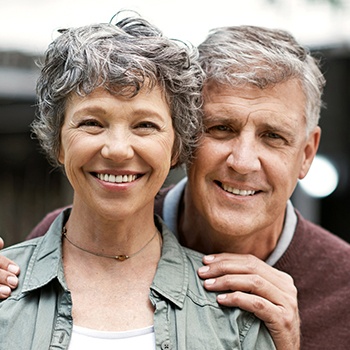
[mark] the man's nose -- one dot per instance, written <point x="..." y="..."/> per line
<point x="244" y="155"/>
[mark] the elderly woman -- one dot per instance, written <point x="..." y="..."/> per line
<point x="118" y="107"/>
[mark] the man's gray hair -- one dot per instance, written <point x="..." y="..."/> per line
<point x="122" y="58"/>
<point x="263" y="57"/>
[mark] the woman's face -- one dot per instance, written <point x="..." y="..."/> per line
<point x="116" y="150"/>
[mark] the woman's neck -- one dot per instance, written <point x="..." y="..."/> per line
<point x="112" y="235"/>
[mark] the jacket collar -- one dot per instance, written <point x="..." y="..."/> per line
<point x="171" y="279"/>
<point x="172" y="275"/>
<point x="46" y="261"/>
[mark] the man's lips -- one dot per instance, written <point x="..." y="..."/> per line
<point x="236" y="191"/>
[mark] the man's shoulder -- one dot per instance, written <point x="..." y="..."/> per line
<point x="41" y="228"/>
<point x="319" y="262"/>
<point x="313" y="246"/>
<point x="159" y="200"/>
<point x="321" y="239"/>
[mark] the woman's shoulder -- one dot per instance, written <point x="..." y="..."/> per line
<point x="21" y="251"/>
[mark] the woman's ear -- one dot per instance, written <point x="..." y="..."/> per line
<point x="61" y="156"/>
<point x="174" y="159"/>
<point x="175" y="154"/>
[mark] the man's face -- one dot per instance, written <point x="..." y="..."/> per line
<point x="254" y="149"/>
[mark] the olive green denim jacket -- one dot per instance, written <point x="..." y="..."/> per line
<point x="38" y="315"/>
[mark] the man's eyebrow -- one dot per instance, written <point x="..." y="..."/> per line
<point x="275" y="127"/>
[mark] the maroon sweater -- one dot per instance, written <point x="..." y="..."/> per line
<point x="319" y="263"/>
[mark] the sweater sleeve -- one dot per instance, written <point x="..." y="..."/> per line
<point x="41" y="228"/>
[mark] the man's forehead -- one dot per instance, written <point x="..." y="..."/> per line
<point x="286" y="98"/>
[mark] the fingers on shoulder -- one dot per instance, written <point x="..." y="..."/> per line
<point x="5" y="291"/>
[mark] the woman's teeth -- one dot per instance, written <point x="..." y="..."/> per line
<point x="116" y="178"/>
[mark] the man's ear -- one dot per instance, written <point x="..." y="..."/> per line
<point x="310" y="151"/>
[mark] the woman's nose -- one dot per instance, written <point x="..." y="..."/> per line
<point x="117" y="146"/>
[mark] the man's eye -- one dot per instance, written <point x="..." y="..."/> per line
<point x="217" y="129"/>
<point x="275" y="139"/>
<point x="222" y="128"/>
<point x="272" y="135"/>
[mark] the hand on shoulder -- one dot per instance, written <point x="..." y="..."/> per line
<point x="8" y="275"/>
<point x="252" y="285"/>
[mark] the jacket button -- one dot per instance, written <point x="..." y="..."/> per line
<point x="166" y="345"/>
<point x="60" y="340"/>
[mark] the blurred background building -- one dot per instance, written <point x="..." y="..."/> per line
<point x="29" y="187"/>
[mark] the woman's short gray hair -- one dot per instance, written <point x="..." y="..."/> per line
<point x="122" y="58"/>
<point x="262" y="57"/>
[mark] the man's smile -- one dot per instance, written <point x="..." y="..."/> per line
<point x="237" y="191"/>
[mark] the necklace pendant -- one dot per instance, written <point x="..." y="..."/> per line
<point x="121" y="257"/>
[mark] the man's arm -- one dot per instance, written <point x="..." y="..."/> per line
<point x="41" y="228"/>
<point x="8" y="269"/>
<point x="8" y="275"/>
<point x="254" y="286"/>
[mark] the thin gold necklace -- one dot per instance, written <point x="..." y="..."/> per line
<point x="121" y="257"/>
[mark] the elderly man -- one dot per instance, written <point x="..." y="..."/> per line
<point x="262" y="101"/>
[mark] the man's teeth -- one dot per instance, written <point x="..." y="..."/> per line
<point x="237" y="191"/>
<point x="116" y="178"/>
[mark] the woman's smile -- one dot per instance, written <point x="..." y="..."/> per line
<point x="116" y="178"/>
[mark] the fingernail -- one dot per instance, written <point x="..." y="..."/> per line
<point x="12" y="281"/>
<point x="13" y="268"/>
<point x="210" y="281"/>
<point x="203" y="269"/>
<point x="222" y="296"/>
<point x="4" y="290"/>
<point x="209" y="257"/>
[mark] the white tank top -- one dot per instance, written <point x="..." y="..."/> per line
<point x="85" y="338"/>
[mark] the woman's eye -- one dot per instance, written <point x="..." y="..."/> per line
<point x="90" y="123"/>
<point x="147" y="125"/>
